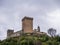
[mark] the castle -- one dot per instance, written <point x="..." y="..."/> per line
<point x="27" y="28"/>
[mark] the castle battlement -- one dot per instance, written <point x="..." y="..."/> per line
<point x="27" y="27"/>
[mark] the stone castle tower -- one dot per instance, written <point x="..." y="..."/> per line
<point x="27" y="25"/>
<point x="9" y="32"/>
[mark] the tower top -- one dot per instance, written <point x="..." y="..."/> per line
<point x="10" y="30"/>
<point x="27" y="24"/>
<point x="27" y="18"/>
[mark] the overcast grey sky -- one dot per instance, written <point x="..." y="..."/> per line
<point x="46" y="14"/>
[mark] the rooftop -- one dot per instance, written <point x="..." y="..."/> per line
<point x="27" y="18"/>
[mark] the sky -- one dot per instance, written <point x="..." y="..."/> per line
<point x="46" y="14"/>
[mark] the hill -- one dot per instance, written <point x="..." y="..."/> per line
<point x="32" y="40"/>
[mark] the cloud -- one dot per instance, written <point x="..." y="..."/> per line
<point x="12" y="12"/>
<point x="54" y="17"/>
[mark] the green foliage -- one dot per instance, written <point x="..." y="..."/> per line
<point x="32" y="40"/>
<point x="57" y="38"/>
<point x="25" y="41"/>
<point x="52" y="42"/>
<point x="44" y="38"/>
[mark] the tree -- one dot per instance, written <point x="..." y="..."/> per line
<point x="57" y="38"/>
<point x="52" y="32"/>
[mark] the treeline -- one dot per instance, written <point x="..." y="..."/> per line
<point x="53" y="39"/>
<point x="32" y="40"/>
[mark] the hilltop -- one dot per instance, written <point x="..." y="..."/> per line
<point x="32" y="40"/>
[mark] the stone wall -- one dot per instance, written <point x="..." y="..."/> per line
<point x="27" y="25"/>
